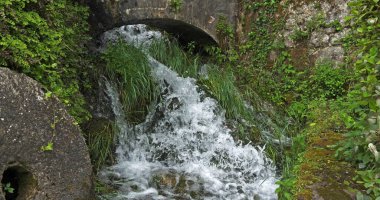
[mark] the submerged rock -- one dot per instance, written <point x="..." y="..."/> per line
<point x="179" y="185"/>
<point x="42" y="152"/>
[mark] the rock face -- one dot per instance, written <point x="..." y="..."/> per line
<point x="313" y="30"/>
<point x="42" y="153"/>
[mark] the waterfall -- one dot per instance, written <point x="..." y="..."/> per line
<point x="184" y="150"/>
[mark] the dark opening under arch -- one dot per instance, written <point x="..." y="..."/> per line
<point x="185" y="32"/>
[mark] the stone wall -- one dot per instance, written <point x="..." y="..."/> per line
<point x="313" y="31"/>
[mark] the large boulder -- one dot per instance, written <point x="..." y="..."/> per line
<point x="42" y="152"/>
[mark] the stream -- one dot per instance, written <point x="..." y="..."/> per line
<point x="184" y="149"/>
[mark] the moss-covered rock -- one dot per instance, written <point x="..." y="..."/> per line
<point x="320" y="175"/>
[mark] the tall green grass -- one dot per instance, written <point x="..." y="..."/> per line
<point x="100" y="139"/>
<point x="220" y="84"/>
<point x="172" y="55"/>
<point x="129" y="67"/>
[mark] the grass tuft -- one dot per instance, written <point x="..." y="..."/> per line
<point x="129" y="67"/>
<point x="220" y="83"/>
<point x="100" y="139"/>
<point x="172" y="55"/>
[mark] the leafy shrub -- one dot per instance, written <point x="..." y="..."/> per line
<point x="223" y="28"/>
<point x="325" y="82"/>
<point x="362" y="106"/>
<point x="301" y="88"/>
<point x="45" y="40"/>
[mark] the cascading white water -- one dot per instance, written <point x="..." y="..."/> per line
<point x="184" y="149"/>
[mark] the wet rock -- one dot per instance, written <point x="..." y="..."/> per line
<point x="42" y="153"/>
<point x="174" y="104"/>
<point x="179" y="184"/>
<point x="98" y="101"/>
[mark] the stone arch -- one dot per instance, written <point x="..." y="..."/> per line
<point x="193" y="15"/>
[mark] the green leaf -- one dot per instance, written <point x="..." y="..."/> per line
<point x="8" y="188"/>
<point x="367" y="185"/>
<point x="48" y="147"/>
<point x="48" y="95"/>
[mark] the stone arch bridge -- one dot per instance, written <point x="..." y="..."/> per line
<point x="193" y="20"/>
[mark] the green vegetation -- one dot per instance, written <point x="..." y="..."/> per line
<point x="225" y="33"/>
<point x="253" y="78"/>
<point x="130" y="66"/>
<point x="171" y="54"/>
<point x="107" y="192"/>
<point x="56" y="119"/>
<point x="48" y="147"/>
<point x="175" y="5"/>
<point x="100" y="136"/>
<point x="311" y="158"/>
<point x="8" y="188"/>
<point x="362" y="104"/>
<point x="260" y="33"/>
<point x="220" y="83"/>
<point x="316" y="22"/>
<point x="320" y="84"/>
<point x="321" y="98"/>
<point x="45" y="40"/>
<point x="350" y="98"/>
<point x="328" y="106"/>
